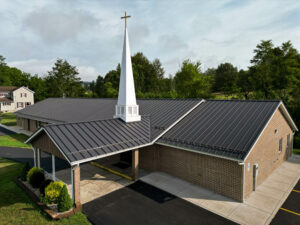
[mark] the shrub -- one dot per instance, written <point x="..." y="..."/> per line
<point x="25" y="170"/>
<point x="44" y="184"/>
<point x="35" y="176"/>
<point x="52" y="191"/>
<point x="64" y="200"/>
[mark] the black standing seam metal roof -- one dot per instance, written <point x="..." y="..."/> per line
<point x="222" y="127"/>
<point x="88" y="139"/>
<point x="163" y="112"/>
<point x="79" y="141"/>
<point x="226" y="128"/>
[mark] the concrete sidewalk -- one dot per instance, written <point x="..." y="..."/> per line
<point x="259" y="208"/>
<point x="16" y="129"/>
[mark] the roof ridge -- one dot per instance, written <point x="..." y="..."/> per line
<point x="245" y="100"/>
<point x="88" y="121"/>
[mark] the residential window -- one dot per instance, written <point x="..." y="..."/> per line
<point x="25" y="95"/>
<point x="280" y="145"/>
<point x="27" y="104"/>
<point x="21" y="94"/>
<point x="20" y="104"/>
<point x="6" y="103"/>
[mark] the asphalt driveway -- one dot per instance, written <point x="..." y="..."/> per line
<point x="23" y="155"/>
<point x="141" y="203"/>
<point x="4" y="131"/>
<point x="289" y="213"/>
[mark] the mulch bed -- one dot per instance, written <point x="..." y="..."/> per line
<point x="53" y="214"/>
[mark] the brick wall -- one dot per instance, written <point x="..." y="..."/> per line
<point x="266" y="151"/>
<point x="219" y="175"/>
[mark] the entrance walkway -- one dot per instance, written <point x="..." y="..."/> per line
<point x="259" y="208"/>
<point x="94" y="182"/>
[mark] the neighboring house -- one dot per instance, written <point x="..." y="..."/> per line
<point x="14" y="98"/>
<point x="228" y="146"/>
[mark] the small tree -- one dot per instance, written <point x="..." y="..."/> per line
<point x="64" y="200"/>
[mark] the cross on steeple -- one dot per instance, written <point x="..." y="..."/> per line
<point x="125" y="17"/>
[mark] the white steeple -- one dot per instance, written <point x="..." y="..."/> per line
<point x="126" y="108"/>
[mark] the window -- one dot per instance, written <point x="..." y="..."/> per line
<point x="27" y="104"/>
<point x="21" y="94"/>
<point x="280" y="145"/>
<point x="6" y="103"/>
<point x="20" y="104"/>
<point x="25" y="95"/>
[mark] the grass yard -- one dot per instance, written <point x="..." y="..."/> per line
<point x="9" y="119"/>
<point x="296" y="151"/>
<point x="14" y="140"/>
<point x="17" y="208"/>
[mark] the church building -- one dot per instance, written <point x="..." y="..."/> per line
<point x="227" y="146"/>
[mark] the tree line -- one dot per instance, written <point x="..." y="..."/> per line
<point x="273" y="73"/>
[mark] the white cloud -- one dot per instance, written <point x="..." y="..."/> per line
<point x="89" y="34"/>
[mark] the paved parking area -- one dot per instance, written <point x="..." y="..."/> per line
<point x="94" y="182"/>
<point x="259" y="208"/>
<point x="289" y="212"/>
<point x="4" y="131"/>
<point x="141" y="203"/>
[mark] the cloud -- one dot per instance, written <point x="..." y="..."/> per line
<point x="41" y="67"/>
<point x="89" y="34"/>
<point x="57" y="26"/>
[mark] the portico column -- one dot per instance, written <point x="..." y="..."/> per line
<point x="38" y="156"/>
<point x="34" y="157"/>
<point x="135" y="164"/>
<point x="53" y="167"/>
<point x="75" y="176"/>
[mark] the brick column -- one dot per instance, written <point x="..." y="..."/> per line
<point x="135" y="164"/>
<point x="76" y="186"/>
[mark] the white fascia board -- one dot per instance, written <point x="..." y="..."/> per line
<point x="39" y="131"/>
<point x="34" y="134"/>
<point x="240" y="162"/>
<point x="288" y="117"/>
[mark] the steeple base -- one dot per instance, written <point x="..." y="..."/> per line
<point x="128" y="113"/>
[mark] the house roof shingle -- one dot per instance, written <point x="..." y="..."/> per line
<point x="8" y="88"/>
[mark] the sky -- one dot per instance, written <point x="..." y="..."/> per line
<point x="89" y="33"/>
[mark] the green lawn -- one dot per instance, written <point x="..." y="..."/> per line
<point x="14" y="140"/>
<point x="17" y="208"/>
<point x="9" y="119"/>
<point x="296" y="151"/>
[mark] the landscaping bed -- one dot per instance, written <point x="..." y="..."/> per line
<point x="16" y="207"/>
<point x="34" y="195"/>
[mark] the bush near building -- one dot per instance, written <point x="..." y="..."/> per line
<point x="64" y="200"/>
<point x="52" y="192"/>
<point x="35" y="176"/>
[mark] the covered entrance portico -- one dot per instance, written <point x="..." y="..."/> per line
<point x="86" y="182"/>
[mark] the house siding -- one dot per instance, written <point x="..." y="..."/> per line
<point x="219" y="175"/>
<point x="266" y="151"/>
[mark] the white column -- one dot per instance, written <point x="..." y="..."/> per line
<point x="72" y="180"/>
<point x="34" y="157"/>
<point x="38" y="158"/>
<point x="53" y="167"/>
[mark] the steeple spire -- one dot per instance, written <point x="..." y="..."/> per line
<point x="126" y="108"/>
